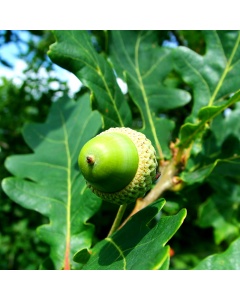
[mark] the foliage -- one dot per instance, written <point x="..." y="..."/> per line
<point x="24" y="100"/>
<point x="228" y="260"/>
<point x="185" y="99"/>
<point x="146" y="242"/>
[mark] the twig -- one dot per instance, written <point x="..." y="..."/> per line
<point x="165" y="183"/>
<point x="167" y="180"/>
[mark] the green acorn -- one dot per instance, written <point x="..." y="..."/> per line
<point x="119" y="165"/>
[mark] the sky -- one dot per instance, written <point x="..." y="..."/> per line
<point x="9" y="52"/>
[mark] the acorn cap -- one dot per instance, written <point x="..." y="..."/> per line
<point x="123" y="172"/>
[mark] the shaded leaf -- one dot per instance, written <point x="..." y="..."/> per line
<point x="144" y="65"/>
<point x="74" y="51"/>
<point x="228" y="260"/>
<point x="139" y="245"/>
<point x="189" y="132"/>
<point x="49" y="182"/>
<point x="228" y="166"/>
<point x="221" y="210"/>
<point x="219" y="151"/>
<point x="227" y="124"/>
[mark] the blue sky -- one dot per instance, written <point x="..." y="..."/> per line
<point x="9" y="53"/>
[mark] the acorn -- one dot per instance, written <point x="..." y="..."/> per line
<point x="119" y="165"/>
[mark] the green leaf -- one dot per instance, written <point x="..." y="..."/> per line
<point x="213" y="213"/>
<point x="219" y="152"/>
<point x="138" y="245"/>
<point x="214" y="75"/>
<point x="49" y="182"/>
<point x="228" y="166"/>
<point x="166" y="263"/>
<point x="228" y="260"/>
<point x="74" y="51"/>
<point x="221" y="210"/>
<point x="189" y="132"/>
<point x="227" y="125"/>
<point x="144" y="65"/>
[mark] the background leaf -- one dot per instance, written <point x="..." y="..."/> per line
<point x="189" y="131"/>
<point x="220" y="148"/>
<point x="222" y="209"/>
<point x="49" y="182"/>
<point x="144" y="65"/>
<point x="216" y="74"/>
<point x="228" y="260"/>
<point x="214" y="167"/>
<point x="75" y="52"/>
<point x="144" y="248"/>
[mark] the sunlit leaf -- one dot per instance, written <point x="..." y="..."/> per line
<point x="228" y="260"/>
<point x="139" y="245"/>
<point x="75" y="52"/>
<point x="144" y="65"/>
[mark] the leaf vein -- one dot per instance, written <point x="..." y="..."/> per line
<point x="120" y="252"/>
<point x="69" y="195"/>
<point x="145" y="99"/>
<point x="225" y="71"/>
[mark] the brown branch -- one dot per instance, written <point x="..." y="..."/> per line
<point x="167" y="181"/>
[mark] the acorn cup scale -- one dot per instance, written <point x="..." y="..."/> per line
<point x="119" y="165"/>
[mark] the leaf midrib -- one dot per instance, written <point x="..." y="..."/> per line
<point x="145" y="98"/>
<point x="69" y="195"/>
<point x="120" y="252"/>
<point x="225" y="72"/>
<point x="212" y="165"/>
<point x="96" y="68"/>
<point x="138" y="79"/>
